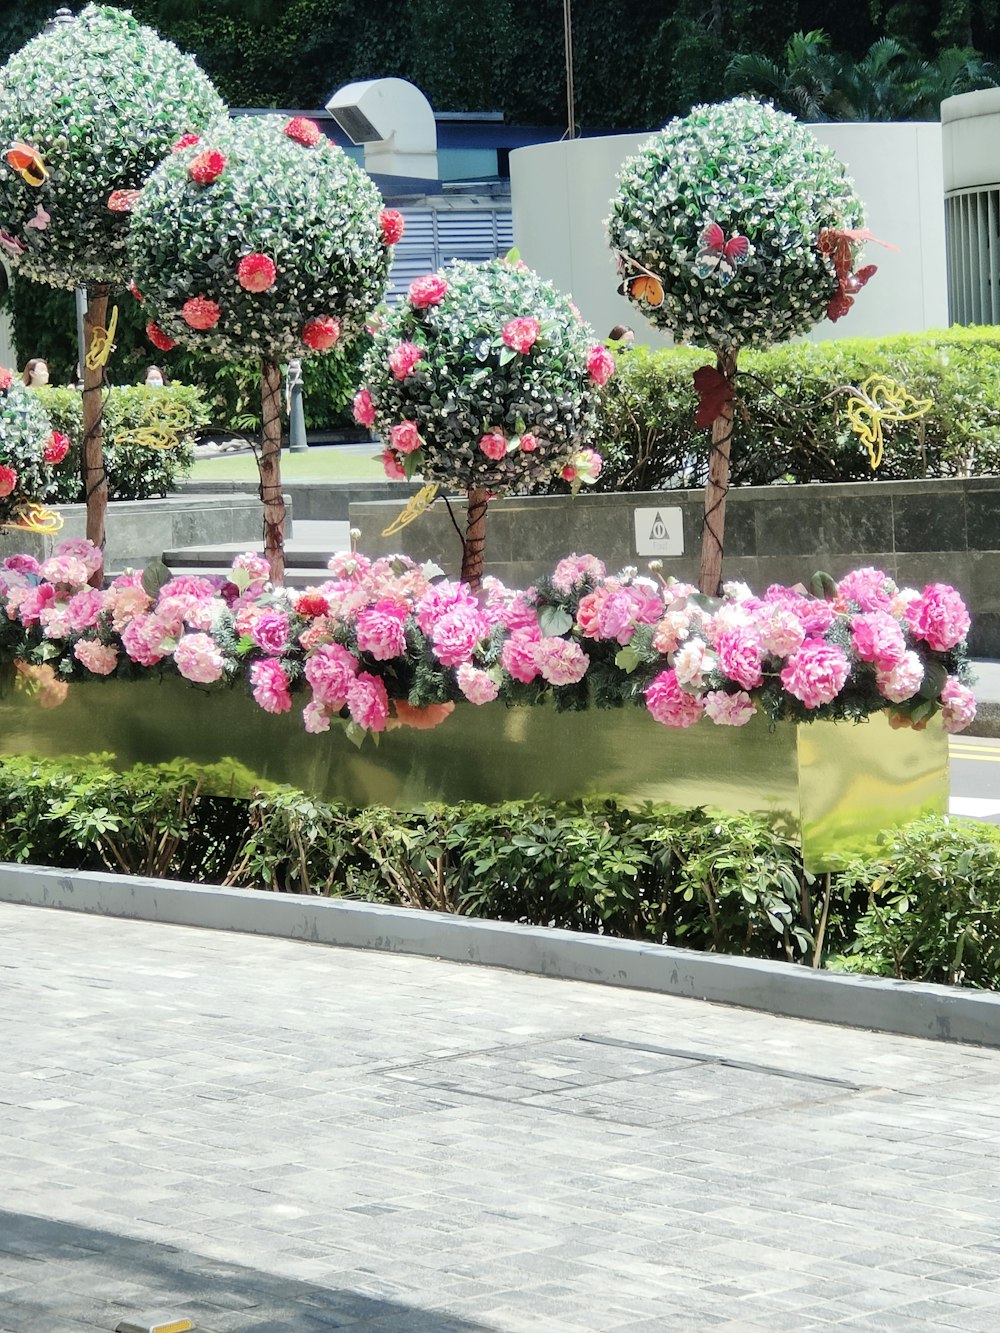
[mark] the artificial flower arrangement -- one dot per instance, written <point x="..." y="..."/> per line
<point x="388" y="642"/>
<point x="30" y="452"/>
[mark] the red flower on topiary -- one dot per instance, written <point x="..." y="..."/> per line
<point x="56" y="447"/>
<point x="185" y="141"/>
<point x="321" y="333"/>
<point x="207" y="167"/>
<point x="8" y="480"/>
<point x="303" y="131"/>
<point x="256" y="273"/>
<point x="134" y="290"/>
<point x="200" y="313"/>
<point x="6" y="379"/>
<point x="393" y="225"/>
<point x="122" y="201"/>
<point x="158" y="338"/>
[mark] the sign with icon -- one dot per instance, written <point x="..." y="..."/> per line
<point x="659" y="531"/>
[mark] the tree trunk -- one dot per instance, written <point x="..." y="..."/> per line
<point x="717" y="488"/>
<point x="474" y="546"/>
<point x="95" y="481"/>
<point x="270" y="469"/>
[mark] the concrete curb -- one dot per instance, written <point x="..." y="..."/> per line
<point x="941" y="1013"/>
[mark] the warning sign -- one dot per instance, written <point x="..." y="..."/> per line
<point x="659" y="531"/>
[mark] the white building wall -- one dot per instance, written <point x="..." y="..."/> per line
<point x="561" y="195"/>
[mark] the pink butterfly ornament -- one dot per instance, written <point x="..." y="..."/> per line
<point x="720" y="257"/>
<point x="41" y="219"/>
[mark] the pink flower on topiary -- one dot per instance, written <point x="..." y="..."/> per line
<point x="877" y="637"/>
<point x="8" y="480"/>
<point x="403" y="358"/>
<point x="729" y="710"/>
<point x="56" y="447"/>
<point x="198" y="658"/>
<point x="158" y="338"/>
<point x="600" y="364"/>
<point x="561" y="661"/>
<point x="816" y="673"/>
<point x="381" y="630"/>
<point x="207" y="167"/>
<point x="477" y="686"/>
<point x="321" y="332"/>
<point x="364" y="408"/>
<point x="902" y="681"/>
<point x="256" y="273"/>
<point x="392" y="224"/>
<point x="100" y="658"/>
<point x="6" y="379"/>
<point x="331" y="670"/>
<point x="427" y="291"/>
<point x="959" y="706"/>
<point x="200" y="313"/>
<point x="529" y="443"/>
<point x="405" y="437"/>
<point x="521" y="334"/>
<point x="368" y="702"/>
<point x="303" y="131"/>
<point x="739" y="652"/>
<point x="671" y="705"/>
<point x="391" y="465"/>
<point x="493" y="445"/>
<point x="185" y="141"/>
<point x="584" y="466"/>
<point x="939" y="617"/>
<point x="270" y="686"/>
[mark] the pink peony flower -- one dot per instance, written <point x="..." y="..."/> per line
<point x="145" y="640"/>
<point x="125" y="602"/>
<point x="197" y="658"/>
<point x="872" y="589"/>
<point x="269" y="631"/>
<point x="600" y="364"/>
<point x="381" y="630"/>
<point x="84" y="609"/>
<point x="270" y="686"/>
<point x="392" y="224"/>
<point x="427" y="291"/>
<point x="959" y="706"/>
<point x="439" y="600"/>
<point x="816" y="673"/>
<point x="669" y="704"/>
<point x="561" y="661"/>
<point x="406" y="438"/>
<point x="256" y="567"/>
<point x="517" y="656"/>
<point x="520" y="334"/>
<point x="902" y="681"/>
<point x="321" y="332"/>
<point x="256" y="273"/>
<point x="671" y="630"/>
<point x="574" y="570"/>
<point x="368" y="702"/>
<point x="877" y="637"/>
<point x="739" y="653"/>
<point x="22" y="564"/>
<point x="364" y="408"/>
<point x="331" y="670"/>
<point x="67" y="570"/>
<point x="479" y="687"/>
<point x="456" y="634"/>
<point x="692" y="662"/>
<point x="529" y="443"/>
<point x="493" y="445"/>
<point x="781" y="631"/>
<point x="316" y="717"/>
<point x="939" y="617"/>
<point x="391" y="465"/>
<point x="403" y="357"/>
<point x="100" y="658"/>
<point x="729" y="710"/>
<point x="32" y="601"/>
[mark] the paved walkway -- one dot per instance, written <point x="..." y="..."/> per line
<point x="276" y="1136"/>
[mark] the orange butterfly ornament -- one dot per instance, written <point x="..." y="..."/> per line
<point x="640" y="285"/>
<point x="27" y="162"/>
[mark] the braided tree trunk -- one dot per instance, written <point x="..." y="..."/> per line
<point x="95" y="481"/>
<point x="474" y="546"/>
<point x="717" y="487"/>
<point x="270" y="469"/>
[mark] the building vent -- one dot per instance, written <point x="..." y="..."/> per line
<point x="972" y="228"/>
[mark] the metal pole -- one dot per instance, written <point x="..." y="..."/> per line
<point x="568" y="41"/>
<point x="81" y="334"/>
<point x="297" y="442"/>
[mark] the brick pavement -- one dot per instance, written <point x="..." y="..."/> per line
<point x="279" y="1136"/>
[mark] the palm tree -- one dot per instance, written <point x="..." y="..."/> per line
<point x="802" y="86"/>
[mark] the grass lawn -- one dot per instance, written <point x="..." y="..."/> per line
<point x="321" y="463"/>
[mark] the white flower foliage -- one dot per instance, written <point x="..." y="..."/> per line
<point x="101" y="99"/>
<point x="754" y="171"/>
<point x="24" y="433"/>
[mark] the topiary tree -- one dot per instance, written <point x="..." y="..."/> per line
<point x="30" y="456"/>
<point x="484" y="379"/>
<point x="88" y="108"/>
<point x="261" y="240"/>
<point x="735" y="227"/>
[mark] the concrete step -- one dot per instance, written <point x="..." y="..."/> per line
<point x="295" y="577"/>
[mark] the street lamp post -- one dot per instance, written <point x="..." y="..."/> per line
<point x="297" y="442"/>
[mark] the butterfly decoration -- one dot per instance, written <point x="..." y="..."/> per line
<point x="640" y="285"/>
<point x="415" y="506"/>
<point x="28" y="163"/>
<point x="720" y="256"/>
<point x="41" y="219"/>
<point x="881" y="399"/>
<point x="715" y="391"/>
<point x="164" y="426"/>
<point x="102" y="343"/>
<point x="122" y="201"/>
<point x="837" y="244"/>
<point x="33" y="517"/>
<point x="11" y="244"/>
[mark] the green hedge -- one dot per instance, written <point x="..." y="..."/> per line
<point x="649" y="440"/>
<point x="135" y="470"/>
<point x="926" y="908"/>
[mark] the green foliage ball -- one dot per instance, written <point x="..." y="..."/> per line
<point x="469" y="383"/>
<point x="757" y="173"/>
<point x="25" y="431"/>
<point x="101" y="99"/>
<point x="306" y="209"/>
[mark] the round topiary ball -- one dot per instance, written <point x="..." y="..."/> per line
<point x="89" y="109"/>
<point x="261" y="239"/>
<point x="485" y="378"/>
<point x="30" y="452"/>
<point x="717" y="225"/>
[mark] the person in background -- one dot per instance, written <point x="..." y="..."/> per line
<point x="623" y="336"/>
<point x="155" y="378"/>
<point x="36" y="373"/>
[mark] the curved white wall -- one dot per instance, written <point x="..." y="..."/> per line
<point x="561" y="193"/>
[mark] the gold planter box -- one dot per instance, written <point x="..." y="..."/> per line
<point x="834" y="785"/>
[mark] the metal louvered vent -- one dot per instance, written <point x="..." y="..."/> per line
<point x="434" y="236"/>
<point x="972" y="227"/>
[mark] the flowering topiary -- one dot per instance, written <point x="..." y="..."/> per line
<point x="258" y="242"/>
<point x="718" y="222"/>
<point x="30" y="451"/>
<point x="99" y="100"/>
<point x="485" y="378"/>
